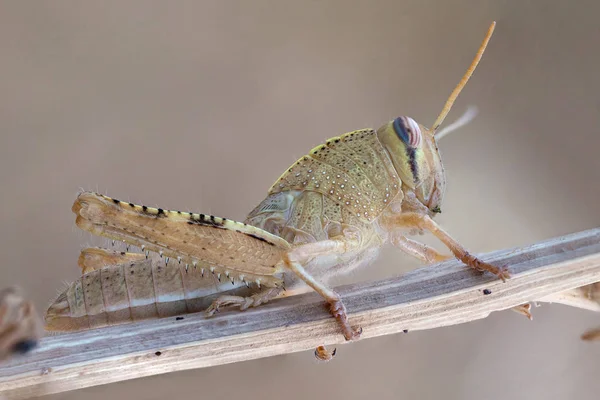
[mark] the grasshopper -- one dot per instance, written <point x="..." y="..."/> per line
<point x="20" y="326"/>
<point x="328" y="214"/>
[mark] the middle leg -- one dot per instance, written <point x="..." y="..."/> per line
<point x="302" y="255"/>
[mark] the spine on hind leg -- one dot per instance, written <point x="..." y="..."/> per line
<point x="232" y="248"/>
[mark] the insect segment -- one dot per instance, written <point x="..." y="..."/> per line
<point x="20" y="326"/>
<point x="328" y="214"/>
<point x="121" y="287"/>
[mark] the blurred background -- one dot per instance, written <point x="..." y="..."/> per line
<point x="201" y="105"/>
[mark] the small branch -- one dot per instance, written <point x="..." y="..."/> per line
<point x="430" y="297"/>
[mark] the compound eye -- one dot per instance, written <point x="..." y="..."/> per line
<point x="408" y="131"/>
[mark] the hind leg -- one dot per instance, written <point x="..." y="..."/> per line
<point x="243" y="303"/>
<point x="294" y="260"/>
<point x="94" y="258"/>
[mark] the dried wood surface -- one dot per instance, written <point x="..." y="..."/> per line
<point x="430" y="297"/>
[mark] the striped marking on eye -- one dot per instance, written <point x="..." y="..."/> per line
<point x="408" y="131"/>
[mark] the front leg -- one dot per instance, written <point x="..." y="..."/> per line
<point x="418" y="250"/>
<point x="421" y="221"/>
<point x="431" y="256"/>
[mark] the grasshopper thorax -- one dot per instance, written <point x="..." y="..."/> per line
<point x="415" y="155"/>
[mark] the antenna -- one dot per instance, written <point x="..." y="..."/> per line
<point x="464" y="80"/>
<point x="467" y="117"/>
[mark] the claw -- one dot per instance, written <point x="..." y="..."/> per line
<point x="212" y="310"/>
<point x="354" y="334"/>
<point x="338" y="310"/>
<point x="501" y="273"/>
<point x="322" y="354"/>
<point x="524" y="309"/>
<point x="479" y="265"/>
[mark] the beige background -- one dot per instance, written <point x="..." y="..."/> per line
<point x="200" y="106"/>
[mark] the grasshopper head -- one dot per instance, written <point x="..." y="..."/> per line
<point x="415" y="155"/>
<point x="413" y="148"/>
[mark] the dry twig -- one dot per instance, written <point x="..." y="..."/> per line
<point x="430" y="297"/>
